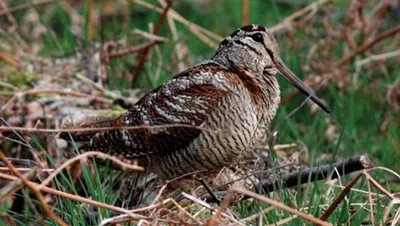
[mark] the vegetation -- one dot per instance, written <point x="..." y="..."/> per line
<point x="62" y="58"/>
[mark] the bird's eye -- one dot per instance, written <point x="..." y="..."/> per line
<point x="257" y="37"/>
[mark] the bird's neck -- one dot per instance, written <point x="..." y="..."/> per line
<point x="270" y="99"/>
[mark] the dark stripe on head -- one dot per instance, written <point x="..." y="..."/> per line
<point x="235" y="33"/>
<point x="270" y="53"/>
<point x="249" y="28"/>
<point x="224" y="42"/>
<point x="253" y="27"/>
<point x="247" y="45"/>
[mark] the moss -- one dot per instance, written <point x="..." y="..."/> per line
<point x="19" y="79"/>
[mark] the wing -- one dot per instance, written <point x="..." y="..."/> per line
<point x="169" y="117"/>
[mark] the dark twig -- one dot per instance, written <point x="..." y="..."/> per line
<point x="344" y="167"/>
<point x="209" y="190"/>
<point x="145" y="51"/>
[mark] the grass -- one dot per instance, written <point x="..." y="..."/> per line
<point x="358" y="110"/>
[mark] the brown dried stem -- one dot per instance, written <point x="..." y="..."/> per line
<point x="80" y="129"/>
<point x="16" y="185"/>
<point x="26" y="169"/>
<point x="206" y="205"/>
<point x="10" y="60"/>
<point x="34" y="189"/>
<point x="146" y="50"/>
<point x="153" y="206"/>
<point x="280" y="206"/>
<point x="200" y="32"/>
<point x="245" y="12"/>
<point x="133" y="49"/>
<point x="67" y="93"/>
<point x="71" y="197"/>
<point x="124" y="166"/>
<point x="378" y="186"/>
<point x="368" y="45"/>
<point x="350" y="56"/>
<point x="380" y="13"/>
<point x="25" y="6"/>
<point x="214" y="219"/>
<point x="341" y="196"/>
<point x="288" y="21"/>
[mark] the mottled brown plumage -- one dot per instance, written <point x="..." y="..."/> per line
<point x="224" y="103"/>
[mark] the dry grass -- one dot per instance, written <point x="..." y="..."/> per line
<point x="76" y="89"/>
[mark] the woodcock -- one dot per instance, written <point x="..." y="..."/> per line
<point x="207" y="116"/>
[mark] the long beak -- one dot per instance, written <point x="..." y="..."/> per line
<point x="296" y="82"/>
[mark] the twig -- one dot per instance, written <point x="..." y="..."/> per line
<point x="384" y="169"/>
<point x="150" y="36"/>
<point x="25" y="6"/>
<point x="94" y="129"/>
<point x="69" y="93"/>
<point x="341" y="196"/>
<point x="132" y="49"/>
<point x="378" y="186"/>
<point x="196" y="200"/>
<point x="10" y="17"/>
<point x="287" y="22"/>
<point x="286" y="220"/>
<point x="309" y="175"/>
<point x="371" y="208"/>
<point x="368" y="45"/>
<point x="7" y="85"/>
<point x="280" y="206"/>
<point x="34" y="189"/>
<point x="277" y="146"/>
<point x="178" y="46"/>
<point x="85" y="156"/>
<point x="200" y="32"/>
<point x="380" y="14"/>
<point x="350" y="56"/>
<point x="10" y="60"/>
<point x="209" y="190"/>
<point x="378" y="57"/>
<point x="26" y="169"/>
<point x="145" y="51"/>
<point x="213" y="220"/>
<point x="245" y="12"/>
<point x="14" y="186"/>
<point x="74" y="197"/>
<point x="120" y="218"/>
<point x="118" y="99"/>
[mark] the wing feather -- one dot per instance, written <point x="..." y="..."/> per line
<point x="177" y="109"/>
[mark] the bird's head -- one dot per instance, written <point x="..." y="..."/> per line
<point x="253" y="48"/>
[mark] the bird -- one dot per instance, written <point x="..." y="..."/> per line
<point x="205" y="117"/>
